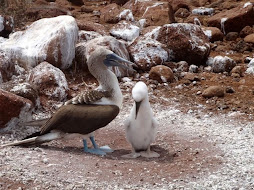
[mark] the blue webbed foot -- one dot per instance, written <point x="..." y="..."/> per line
<point x="96" y="150"/>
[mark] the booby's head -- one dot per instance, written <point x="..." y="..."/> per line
<point x="139" y="93"/>
<point x="108" y="58"/>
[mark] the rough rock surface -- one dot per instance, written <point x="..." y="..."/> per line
<point x="213" y="33"/>
<point x="161" y="73"/>
<point x="147" y="52"/>
<point x="49" y="80"/>
<point x="13" y="109"/>
<point x="125" y="30"/>
<point x="212" y="91"/>
<point x="51" y="39"/>
<point x="187" y="42"/>
<point x="222" y="64"/>
<point x="155" y="12"/>
<point x="233" y="20"/>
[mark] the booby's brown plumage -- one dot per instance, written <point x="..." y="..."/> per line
<point x="88" y="111"/>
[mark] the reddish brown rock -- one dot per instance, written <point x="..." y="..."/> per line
<point x="92" y="26"/>
<point x="182" y="13"/>
<point x="50" y="81"/>
<point x="246" y="31"/>
<point x="6" y="25"/>
<point x="249" y="38"/>
<point x="213" y="33"/>
<point x="84" y="36"/>
<point x="161" y="73"/>
<point x="233" y="20"/>
<point x="13" y="108"/>
<point x="155" y="12"/>
<point x="213" y="91"/>
<point x="109" y="14"/>
<point x="238" y="71"/>
<point x="187" y="42"/>
<point x="7" y="67"/>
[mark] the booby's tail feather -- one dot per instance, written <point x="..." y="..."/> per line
<point x="35" y="140"/>
<point x="24" y="142"/>
<point x="35" y="122"/>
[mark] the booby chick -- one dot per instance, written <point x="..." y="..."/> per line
<point x="141" y="125"/>
<point x="88" y="111"/>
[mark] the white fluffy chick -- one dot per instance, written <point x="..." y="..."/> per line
<point x="141" y="126"/>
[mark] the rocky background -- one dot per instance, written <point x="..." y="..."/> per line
<point x="198" y="53"/>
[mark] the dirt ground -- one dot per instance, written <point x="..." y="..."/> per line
<point x="197" y="140"/>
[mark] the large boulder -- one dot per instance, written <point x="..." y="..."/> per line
<point x="186" y="41"/>
<point x="155" y="12"/>
<point x="50" y="81"/>
<point x="14" y="109"/>
<point x="49" y="39"/>
<point x="148" y="52"/>
<point x="114" y="45"/>
<point x="233" y="20"/>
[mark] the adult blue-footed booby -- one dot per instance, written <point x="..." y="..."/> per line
<point x="89" y="111"/>
<point x="141" y="125"/>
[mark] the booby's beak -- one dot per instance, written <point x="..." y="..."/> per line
<point x="137" y="107"/>
<point x="113" y="60"/>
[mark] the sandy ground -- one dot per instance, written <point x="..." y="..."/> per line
<point x="199" y="150"/>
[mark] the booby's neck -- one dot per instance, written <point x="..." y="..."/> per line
<point x="108" y="82"/>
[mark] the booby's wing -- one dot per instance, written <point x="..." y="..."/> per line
<point x="88" y="97"/>
<point x="82" y="119"/>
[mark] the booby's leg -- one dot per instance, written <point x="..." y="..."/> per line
<point x="149" y="154"/>
<point x="105" y="148"/>
<point x="133" y="154"/>
<point x="93" y="150"/>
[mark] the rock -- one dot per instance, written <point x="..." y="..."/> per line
<point x="187" y="42"/>
<point x="222" y="64"/>
<point x="91" y="26"/>
<point x="213" y="33"/>
<point x="246" y="31"/>
<point x="85" y="9"/>
<point x="7" y="67"/>
<point x="203" y="11"/>
<point x="155" y="12"/>
<point x="13" y="109"/>
<point x="23" y="89"/>
<point x="6" y="25"/>
<point x="114" y="45"/>
<point x="50" y="39"/>
<point x="45" y="10"/>
<point x="238" y="70"/>
<point x="147" y="52"/>
<point x="193" y="69"/>
<point x="125" y="30"/>
<point x="182" y="13"/>
<point x="242" y="46"/>
<point x="191" y="77"/>
<point x="250" y="69"/>
<point x="84" y="36"/>
<point x="109" y="14"/>
<point x="230" y="90"/>
<point x="231" y="36"/>
<point x="127" y="15"/>
<point x="249" y="38"/>
<point x="161" y="73"/>
<point x="49" y="80"/>
<point x="177" y="4"/>
<point x="233" y="20"/>
<point x="213" y="91"/>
